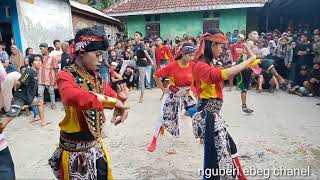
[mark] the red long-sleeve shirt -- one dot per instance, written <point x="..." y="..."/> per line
<point x="77" y="100"/>
<point x="163" y="53"/>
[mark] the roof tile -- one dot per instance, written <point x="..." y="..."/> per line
<point x="145" y="5"/>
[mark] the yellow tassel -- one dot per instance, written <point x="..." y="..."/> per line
<point x="65" y="165"/>
<point x="254" y="63"/>
<point x="110" y="177"/>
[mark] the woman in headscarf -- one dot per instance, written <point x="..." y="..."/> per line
<point x="209" y="126"/>
<point x="179" y="95"/>
<point x="16" y="58"/>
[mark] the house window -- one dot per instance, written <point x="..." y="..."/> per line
<point x="7" y="10"/>
<point x="148" y="18"/>
<point x="208" y="24"/>
<point x="156" y="17"/>
<point x="210" y="20"/>
<point x="153" y="30"/>
<point x="216" y="14"/>
<point x="206" y="14"/>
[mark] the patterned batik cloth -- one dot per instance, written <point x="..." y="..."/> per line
<point x="81" y="165"/>
<point x="171" y="110"/>
<point x="210" y="128"/>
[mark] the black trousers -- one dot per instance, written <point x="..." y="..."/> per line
<point x="6" y="165"/>
<point x="281" y="68"/>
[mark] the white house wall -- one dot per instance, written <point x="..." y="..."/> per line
<point x="44" y="21"/>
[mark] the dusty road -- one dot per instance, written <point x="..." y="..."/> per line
<point x="283" y="132"/>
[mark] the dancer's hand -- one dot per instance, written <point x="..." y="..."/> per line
<point x="120" y="113"/>
<point x="122" y="92"/>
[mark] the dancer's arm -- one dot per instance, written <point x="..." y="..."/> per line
<point x="238" y="68"/>
<point x="162" y="73"/>
<point x="73" y="95"/>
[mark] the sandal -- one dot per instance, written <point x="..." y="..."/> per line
<point x="271" y="90"/>
<point x="259" y="91"/>
<point x="246" y="109"/>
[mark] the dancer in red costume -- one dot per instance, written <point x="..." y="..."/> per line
<point x="81" y="153"/>
<point x="179" y="95"/>
<point x="209" y="126"/>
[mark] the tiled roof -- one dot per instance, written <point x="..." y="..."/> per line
<point x="137" y="7"/>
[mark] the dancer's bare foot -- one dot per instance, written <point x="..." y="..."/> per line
<point x="162" y="96"/>
<point x="141" y="99"/>
<point x="45" y="123"/>
<point x="259" y="90"/>
<point x="53" y="107"/>
<point x="171" y="151"/>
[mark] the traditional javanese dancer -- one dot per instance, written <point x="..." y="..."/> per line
<point x="219" y="148"/>
<point x="81" y="153"/>
<point x="179" y="96"/>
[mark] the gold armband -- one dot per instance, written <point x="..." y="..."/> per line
<point x="109" y="102"/>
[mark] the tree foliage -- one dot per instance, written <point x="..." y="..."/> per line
<point x="101" y="4"/>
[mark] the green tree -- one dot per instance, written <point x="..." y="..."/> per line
<point x="102" y="4"/>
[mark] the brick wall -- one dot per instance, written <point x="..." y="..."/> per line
<point x="81" y="21"/>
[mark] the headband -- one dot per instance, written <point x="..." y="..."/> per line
<point x="216" y="38"/>
<point x="187" y="50"/>
<point x="91" y="43"/>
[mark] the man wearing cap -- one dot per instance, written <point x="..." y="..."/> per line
<point x="81" y="153"/>
<point x="47" y="75"/>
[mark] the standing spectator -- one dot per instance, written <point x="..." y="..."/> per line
<point x="316" y="48"/>
<point x="303" y="53"/>
<point x="276" y="38"/>
<point x="228" y="36"/>
<point x="65" y="56"/>
<point x="149" y="65"/>
<point x="118" y="50"/>
<point x="162" y="54"/>
<point x="104" y="67"/>
<point x="236" y="51"/>
<point x="126" y="54"/>
<point x="16" y="58"/>
<point x="71" y="49"/>
<point x="57" y="52"/>
<point x="142" y="57"/>
<point x="28" y="53"/>
<point x="47" y="75"/>
<point x="4" y="57"/>
<point x="243" y="32"/>
<point x="169" y="40"/>
<point x="283" y="57"/>
<point x="293" y="69"/>
<point x="130" y="45"/>
<point x="234" y="37"/>
<point x="261" y="52"/>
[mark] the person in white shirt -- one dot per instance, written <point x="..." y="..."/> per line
<point x="57" y="52"/>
